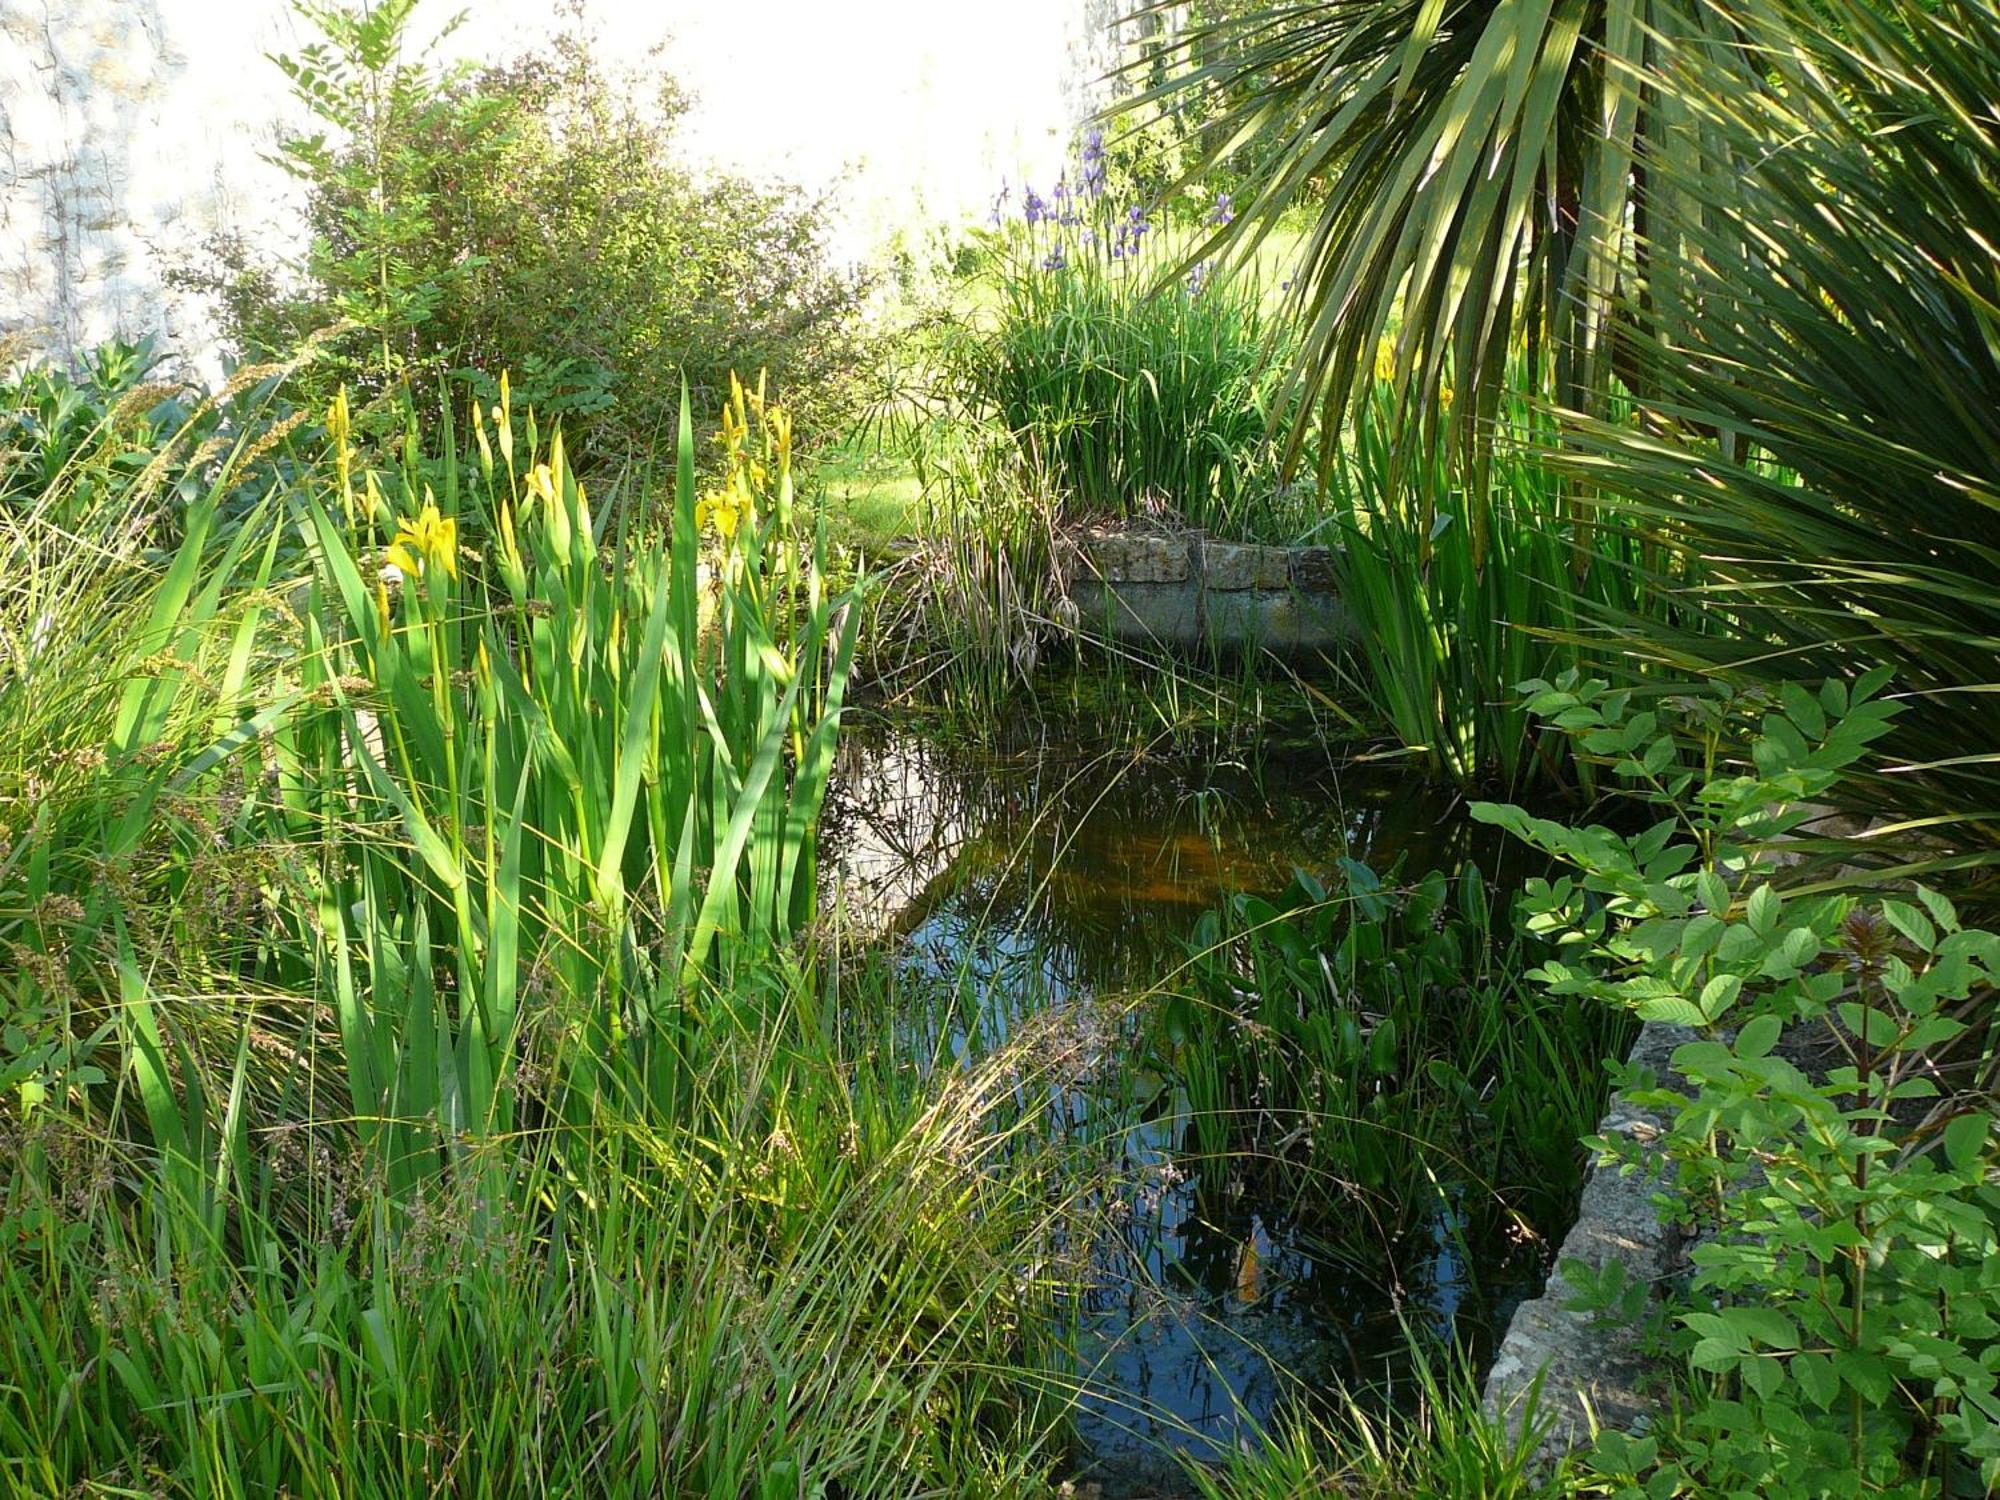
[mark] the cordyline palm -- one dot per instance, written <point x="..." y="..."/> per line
<point x="1777" y="218"/>
<point x="1825" y="433"/>
<point x="1476" y="163"/>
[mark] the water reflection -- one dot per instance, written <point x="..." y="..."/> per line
<point x="1032" y="874"/>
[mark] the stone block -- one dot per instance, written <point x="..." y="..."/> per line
<point x="1312" y="569"/>
<point x="1301" y="623"/>
<point x="1135" y="557"/>
<point x="1227" y="567"/>
<point x="1161" y="615"/>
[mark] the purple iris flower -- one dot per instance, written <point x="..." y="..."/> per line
<point x="1034" y="208"/>
<point x="1093" y="164"/>
<point x="1130" y="233"/>
<point x="1225" y="210"/>
<point x="1055" y="260"/>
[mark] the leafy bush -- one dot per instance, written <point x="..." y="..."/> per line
<point x="1843" y="1321"/>
<point x="86" y="433"/>
<point x="535" y="218"/>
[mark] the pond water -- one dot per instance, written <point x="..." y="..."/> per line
<point x="1031" y="873"/>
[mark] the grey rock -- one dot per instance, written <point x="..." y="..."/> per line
<point x="1594" y="1370"/>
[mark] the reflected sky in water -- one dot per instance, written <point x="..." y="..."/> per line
<point x="1027" y="875"/>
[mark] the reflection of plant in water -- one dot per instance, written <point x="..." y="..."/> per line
<point x="1370" y="1052"/>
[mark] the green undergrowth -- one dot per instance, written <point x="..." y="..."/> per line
<point x="1372" y="1053"/>
<point x="420" y="1072"/>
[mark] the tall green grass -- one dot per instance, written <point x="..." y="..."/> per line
<point x="1123" y="397"/>
<point x="594" y="780"/>
<point x="1444" y="1446"/>
<point x="422" y="1071"/>
<point x="1464" y="580"/>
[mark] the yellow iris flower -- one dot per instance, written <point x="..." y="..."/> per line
<point x="429" y="538"/>
<point x="542" y="484"/>
<point x="1385" y="360"/>
<point x="724" y="508"/>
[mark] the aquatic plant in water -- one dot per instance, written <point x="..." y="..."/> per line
<point x="1121" y="396"/>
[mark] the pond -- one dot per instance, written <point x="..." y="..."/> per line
<point x="1036" y="871"/>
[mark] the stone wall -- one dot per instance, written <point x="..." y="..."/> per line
<point x="1186" y="592"/>
<point x="1596" y="1372"/>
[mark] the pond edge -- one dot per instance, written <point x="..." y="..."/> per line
<point x="1593" y="1371"/>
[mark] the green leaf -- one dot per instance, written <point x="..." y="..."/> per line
<point x="1873" y="1026"/>
<point x="1713" y="891"/>
<point x="1803" y="710"/>
<point x="1758" y="1036"/>
<point x="1941" y="910"/>
<point x="1765" y="1325"/>
<point x="1762" y="910"/>
<point x="1868" y="1374"/>
<point x="1715" y="1355"/>
<point x="1815" y="1376"/>
<point x="1965" y="1139"/>
<point x="1911" y="923"/>
<point x="1670" y="1010"/>
<point x="1718" y="995"/>
<point x="642" y="695"/>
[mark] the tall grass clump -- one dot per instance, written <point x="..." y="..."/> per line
<point x="1443" y="1444"/>
<point x="422" y="1073"/>
<point x="971" y="607"/>
<point x="1130" y="398"/>
<point x="1466" y="578"/>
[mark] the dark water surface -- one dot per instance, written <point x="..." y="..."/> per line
<point x="1035" y="875"/>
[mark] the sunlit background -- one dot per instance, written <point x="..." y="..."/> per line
<point x="130" y="126"/>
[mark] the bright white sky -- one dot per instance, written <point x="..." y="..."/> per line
<point x="138" y="126"/>
<point x="924" y="104"/>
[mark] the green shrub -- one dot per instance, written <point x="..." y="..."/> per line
<point x="534" y="217"/>
<point x="1842" y="1328"/>
<point x="86" y="433"/>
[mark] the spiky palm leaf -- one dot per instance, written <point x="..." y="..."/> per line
<point x="1476" y="163"/>
<point x="1827" y="437"/>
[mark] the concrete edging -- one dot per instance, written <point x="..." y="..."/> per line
<point x="1593" y="1370"/>
<point x="1184" y="591"/>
